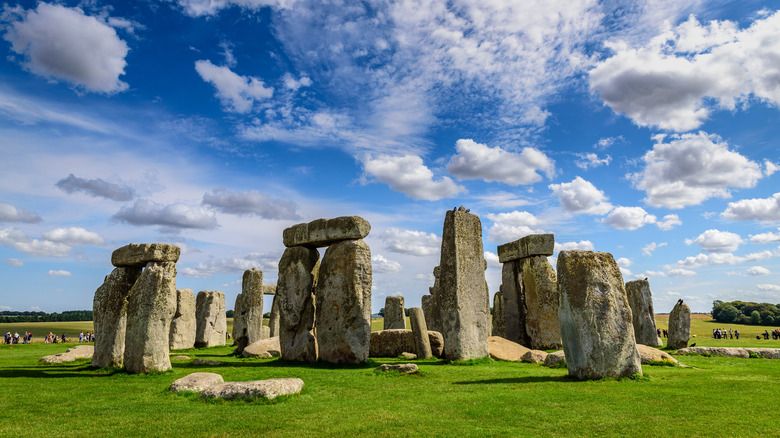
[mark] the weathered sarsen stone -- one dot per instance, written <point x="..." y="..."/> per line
<point x="540" y="290"/>
<point x="323" y="232"/>
<point x="679" y="326"/>
<point x="211" y="321"/>
<point x="642" y="315"/>
<point x="514" y="302"/>
<point x="295" y="295"/>
<point x="183" y="324"/>
<point x="422" y="343"/>
<point x="109" y="313"/>
<point x="430" y="303"/>
<point x="344" y="303"/>
<point x="463" y="298"/>
<point x="248" y="311"/>
<point x="273" y="321"/>
<point x="594" y="316"/>
<point x="395" y="317"/>
<point x="391" y="343"/>
<point x="196" y="382"/>
<point x="139" y="254"/>
<point x="150" y="309"/>
<point x="499" y="322"/>
<point x="528" y="246"/>
<point x="269" y="389"/>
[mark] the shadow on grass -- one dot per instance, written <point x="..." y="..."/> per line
<point x="280" y="363"/>
<point x="56" y="372"/>
<point x="527" y="379"/>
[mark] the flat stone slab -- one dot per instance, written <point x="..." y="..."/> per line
<point x="407" y="355"/>
<point x="263" y="348"/>
<point x="504" y="349"/>
<point x="269" y="289"/>
<point x="391" y="343"/>
<point x="743" y="353"/>
<point x="180" y="357"/>
<point x="269" y="389"/>
<point x="403" y="368"/>
<point x="139" y="254"/>
<point x="77" y="352"/>
<point x="534" y="356"/>
<point x="528" y="246"/>
<point x="206" y="362"/>
<point x="554" y="359"/>
<point x="649" y="354"/>
<point x="323" y="232"/>
<point x="196" y="382"/>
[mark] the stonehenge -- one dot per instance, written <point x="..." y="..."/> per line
<point x="430" y="303"/>
<point x="642" y="315"/>
<point x="422" y="343"/>
<point x="211" y="321"/>
<point x="679" y="326"/>
<point x="298" y="269"/>
<point x="183" y="325"/>
<point x="395" y="317"/>
<point x="499" y="320"/>
<point x="248" y="310"/>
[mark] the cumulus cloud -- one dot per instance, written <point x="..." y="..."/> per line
<point x="770" y="168"/>
<point x="14" y="262"/>
<point x="757" y="209"/>
<point x="417" y="243"/>
<point x="74" y="236"/>
<point x="652" y="246"/>
<point x="237" y="93"/>
<point x="591" y="160"/>
<point x="680" y="272"/>
<point x="251" y="203"/>
<point x="479" y="161"/>
<point x="96" y="187"/>
<point x="717" y="241"/>
<point x="675" y="80"/>
<point x="692" y="168"/>
<point x="768" y="287"/>
<point x="722" y="258"/>
<point x="580" y="196"/>
<point x="173" y="216"/>
<point x="668" y="222"/>
<point x="757" y="270"/>
<point x="585" y="245"/>
<point x="9" y="213"/>
<point x="63" y="43"/>
<point x="769" y="237"/>
<point x="492" y="260"/>
<point x="268" y="263"/>
<point x="58" y="273"/>
<point x="19" y="241"/>
<point x="629" y="218"/>
<point x="511" y="226"/>
<point x="407" y="174"/>
<point x="381" y="264"/>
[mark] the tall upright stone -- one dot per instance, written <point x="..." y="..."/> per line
<point x="295" y="295"/>
<point x="273" y="322"/>
<point x="540" y="290"/>
<point x="679" y="326"/>
<point x="344" y="303"/>
<point x="430" y="303"/>
<point x="183" y="325"/>
<point x="109" y="310"/>
<point x="643" y="317"/>
<point x="248" y="312"/>
<point x="594" y="316"/>
<point x="211" y="321"/>
<point x="422" y="343"/>
<point x="498" y="315"/>
<point x="151" y="306"/>
<point x="514" y="302"/>
<point x="395" y="317"/>
<point x="426" y="302"/>
<point x="463" y="298"/>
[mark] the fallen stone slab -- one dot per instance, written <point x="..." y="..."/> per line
<point x="323" y="232"/>
<point x="766" y="353"/>
<point x="742" y="353"/>
<point x="503" y="349"/>
<point x="403" y="368"/>
<point x="139" y="254"/>
<point x="407" y="355"/>
<point x="77" y="352"/>
<point x="555" y="359"/>
<point x="269" y="289"/>
<point x="391" y="343"/>
<point x="649" y="354"/>
<point x="182" y="357"/>
<point x="269" y="389"/>
<point x="534" y="356"/>
<point x="528" y="246"/>
<point x="206" y="362"/>
<point x="196" y="382"/>
<point x="263" y="348"/>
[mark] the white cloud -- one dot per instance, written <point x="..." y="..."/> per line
<point x="197" y="8"/>
<point x="580" y="196"/>
<point x="692" y="168"/>
<point x="717" y="241"/>
<point x="251" y="203"/>
<point x="757" y="270"/>
<point x="770" y="168"/>
<point x="380" y="263"/>
<point x="492" y="260"/>
<point x="760" y="209"/>
<point x="58" y="273"/>
<point x="417" y="243"/>
<point x="294" y="84"/>
<point x="173" y="216"/>
<point x="503" y="200"/>
<point x="74" y="236"/>
<point x="652" y="246"/>
<point x="96" y="187"/>
<point x="237" y="93"/>
<point x="479" y="161"/>
<point x="41" y="248"/>
<point x="668" y="222"/>
<point x="722" y="258"/>
<point x="14" y="262"/>
<point x="680" y="272"/>
<point x="64" y="43"/>
<point x="585" y="245"/>
<point x="606" y="142"/>
<point x="628" y="218"/>
<point x="591" y="160"/>
<point x="768" y="287"/>
<point x="9" y="213"/>
<point x="623" y="262"/>
<point x="674" y="81"/>
<point x="407" y="174"/>
<point x="268" y="263"/>
<point x="769" y="237"/>
<point x="511" y="226"/>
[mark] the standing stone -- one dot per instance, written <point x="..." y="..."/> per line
<point x="430" y="303"/>
<point x="595" y="317"/>
<point x="344" y="303"/>
<point x="211" y="321"/>
<point x="498" y="315"/>
<point x="273" y="322"/>
<point x="394" y="318"/>
<point x="679" y="326"/>
<point x="150" y="309"/>
<point x="248" y="313"/>
<point x="463" y="299"/>
<point x="540" y="290"/>
<point x="183" y="324"/>
<point x="295" y="293"/>
<point x="643" y="318"/>
<point x="426" y="304"/>
<point x="238" y="321"/>
<point x="109" y="310"/>
<point x="514" y="303"/>
<point x="422" y="344"/>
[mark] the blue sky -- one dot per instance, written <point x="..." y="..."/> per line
<point x="649" y="130"/>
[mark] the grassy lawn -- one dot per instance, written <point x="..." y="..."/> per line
<point x="719" y="396"/>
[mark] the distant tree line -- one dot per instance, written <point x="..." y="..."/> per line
<point x="742" y="312"/>
<point x="68" y="315"/>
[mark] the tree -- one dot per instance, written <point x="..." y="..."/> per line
<point x="728" y="313"/>
<point x="755" y="317"/>
<point x="381" y="312"/>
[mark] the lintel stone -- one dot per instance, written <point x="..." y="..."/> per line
<point x="323" y="232"/>
<point x="528" y="246"/>
<point x="139" y="254"/>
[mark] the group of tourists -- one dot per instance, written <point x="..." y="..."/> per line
<point x="725" y="334"/>
<point x="775" y="334"/>
<point x="14" y="339"/>
<point x="51" y="338"/>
